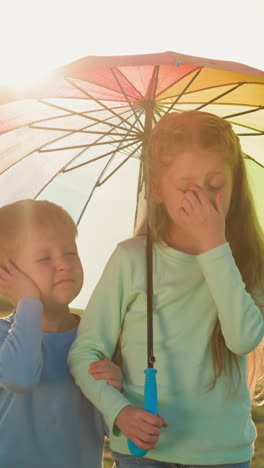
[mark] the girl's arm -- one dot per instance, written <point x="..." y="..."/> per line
<point x="20" y="347"/>
<point x="98" y="333"/>
<point x="241" y="320"/>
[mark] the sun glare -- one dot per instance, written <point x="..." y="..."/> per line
<point x="24" y="76"/>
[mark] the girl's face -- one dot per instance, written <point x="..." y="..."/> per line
<point x="209" y="170"/>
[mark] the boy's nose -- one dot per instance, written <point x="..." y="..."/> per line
<point x="62" y="264"/>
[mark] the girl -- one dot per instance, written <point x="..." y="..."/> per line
<point x="208" y="291"/>
<point x="45" y="420"/>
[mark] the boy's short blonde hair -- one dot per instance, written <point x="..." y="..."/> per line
<point x="19" y="219"/>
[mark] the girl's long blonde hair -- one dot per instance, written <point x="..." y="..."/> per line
<point x="171" y="136"/>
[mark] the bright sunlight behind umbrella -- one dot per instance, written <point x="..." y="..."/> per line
<point x="78" y="140"/>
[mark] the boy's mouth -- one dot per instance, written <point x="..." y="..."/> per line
<point x="64" y="280"/>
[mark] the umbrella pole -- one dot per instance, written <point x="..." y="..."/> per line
<point x="150" y="388"/>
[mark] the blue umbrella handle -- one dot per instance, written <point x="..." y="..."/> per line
<point x="150" y="404"/>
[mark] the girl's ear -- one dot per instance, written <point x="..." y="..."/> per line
<point x="155" y="191"/>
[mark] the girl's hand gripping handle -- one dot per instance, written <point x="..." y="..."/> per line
<point x="150" y="404"/>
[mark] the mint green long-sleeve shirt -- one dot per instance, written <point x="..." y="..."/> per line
<point x="190" y="294"/>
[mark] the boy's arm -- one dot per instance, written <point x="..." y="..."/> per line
<point x="98" y="334"/>
<point x="106" y="369"/>
<point x="20" y="348"/>
<point x="241" y="320"/>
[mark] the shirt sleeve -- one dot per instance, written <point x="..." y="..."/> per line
<point x="98" y="334"/>
<point x="20" y="348"/>
<point x="242" y="322"/>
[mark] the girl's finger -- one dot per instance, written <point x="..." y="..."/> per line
<point x="115" y="383"/>
<point x="192" y="198"/>
<point x="200" y="195"/>
<point x="186" y="205"/>
<point x="101" y="375"/>
<point x="183" y="214"/>
<point x="219" y="203"/>
<point x="105" y="361"/>
<point x="142" y="444"/>
<point x="164" y="422"/>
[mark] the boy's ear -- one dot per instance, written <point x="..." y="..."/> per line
<point x="155" y="191"/>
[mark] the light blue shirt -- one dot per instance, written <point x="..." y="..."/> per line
<point x="45" y="421"/>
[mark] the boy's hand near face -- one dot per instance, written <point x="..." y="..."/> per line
<point x="16" y="285"/>
<point x="107" y="370"/>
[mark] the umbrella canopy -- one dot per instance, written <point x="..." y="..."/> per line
<point x="78" y="140"/>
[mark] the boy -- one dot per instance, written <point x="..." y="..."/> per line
<point x="45" y="421"/>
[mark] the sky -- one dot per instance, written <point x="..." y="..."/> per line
<point x="37" y="37"/>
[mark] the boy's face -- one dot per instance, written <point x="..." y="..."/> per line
<point x="50" y="258"/>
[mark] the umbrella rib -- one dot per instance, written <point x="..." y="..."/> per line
<point x="243" y="113"/>
<point x="250" y="134"/>
<point x="207" y="88"/>
<point x="99" y="85"/>
<point x="96" y="183"/>
<point x="139" y="190"/>
<point x="128" y="101"/>
<point x="157" y="69"/>
<point x="183" y="91"/>
<point x="120" y="165"/>
<point x="238" y="124"/>
<point x="80" y="114"/>
<point x="70" y="114"/>
<point x="218" y="104"/>
<point x="61" y="138"/>
<point x="39" y="149"/>
<point x="86" y="162"/>
<point x="98" y="143"/>
<point x="58" y="139"/>
<point x="61" y="171"/>
<point x="130" y="82"/>
<point x="97" y="101"/>
<point x="99" y="157"/>
<point x="64" y="169"/>
<point x="178" y="81"/>
<point x="246" y="156"/>
<point x="72" y="131"/>
<point x="221" y="95"/>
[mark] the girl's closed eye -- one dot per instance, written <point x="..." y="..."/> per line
<point x="215" y="188"/>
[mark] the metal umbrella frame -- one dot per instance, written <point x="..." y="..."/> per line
<point x="103" y="108"/>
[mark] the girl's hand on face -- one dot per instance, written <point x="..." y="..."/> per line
<point x="140" y="426"/>
<point x="16" y="285"/>
<point x="203" y="218"/>
<point x="107" y="370"/>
